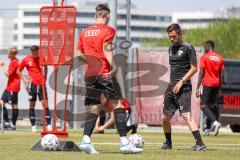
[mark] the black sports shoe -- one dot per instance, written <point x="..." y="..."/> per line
<point x="198" y="147"/>
<point x="167" y="145"/>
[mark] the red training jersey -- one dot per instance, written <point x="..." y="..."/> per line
<point x="213" y="64"/>
<point x="91" y="43"/>
<point x="14" y="80"/>
<point x="125" y="103"/>
<point x="33" y="68"/>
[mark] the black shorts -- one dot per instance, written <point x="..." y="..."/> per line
<point x="96" y="86"/>
<point x="34" y="91"/>
<point x="180" y="101"/>
<point x="209" y="95"/>
<point x="10" y="97"/>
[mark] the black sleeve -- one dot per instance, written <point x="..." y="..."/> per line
<point x="192" y="54"/>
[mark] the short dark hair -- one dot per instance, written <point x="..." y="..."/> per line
<point x="210" y="43"/>
<point x="102" y="7"/>
<point x="34" y="48"/>
<point x="102" y="11"/>
<point x="174" y="27"/>
<point x="14" y="50"/>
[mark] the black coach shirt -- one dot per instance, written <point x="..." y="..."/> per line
<point x="180" y="59"/>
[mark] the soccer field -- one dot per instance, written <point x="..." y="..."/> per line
<point x="17" y="145"/>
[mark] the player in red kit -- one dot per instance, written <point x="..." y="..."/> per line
<point x="31" y="62"/>
<point x="10" y="95"/>
<point x="95" y="49"/>
<point x="210" y="76"/>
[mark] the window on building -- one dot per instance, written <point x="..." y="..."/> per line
<point x="199" y="20"/>
<point x="121" y="16"/>
<point x="163" y="18"/>
<point x="31" y="13"/>
<point x="26" y="47"/>
<point x="31" y="36"/>
<point x="82" y="26"/>
<point x="31" y="25"/>
<point x="85" y="14"/>
<point x="15" y="37"/>
<point x="15" y="26"/>
<point x="141" y="28"/>
<point x="140" y="17"/>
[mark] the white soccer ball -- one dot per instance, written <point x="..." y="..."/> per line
<point x="137" y="140"/>
<point x="50" y="142"/>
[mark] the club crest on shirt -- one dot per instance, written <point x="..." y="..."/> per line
<point x="179" y="53"/>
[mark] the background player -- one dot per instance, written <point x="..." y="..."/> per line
<point x="107" y="106"/>
<point x="31" y="62"/>
<point x="10" y="95"/>
<point x="210" y="76"/>
<point x="95" y="48"/>
<point x="183" y="65"/>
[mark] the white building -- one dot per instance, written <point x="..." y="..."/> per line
<point x="197" y="19"/>
<point x="6" y="33"/>
<point x="144" y="24"/>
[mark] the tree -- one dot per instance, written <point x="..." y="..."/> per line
<point x="225" y="34"/>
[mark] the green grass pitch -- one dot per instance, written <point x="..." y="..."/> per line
<point x="17" y="145"/>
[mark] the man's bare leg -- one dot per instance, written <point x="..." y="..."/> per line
<point x="48" y="114"/>
<point x="167" y="129"/>
<point x="195" y="131"/>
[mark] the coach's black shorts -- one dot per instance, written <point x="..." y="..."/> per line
<point x="209" y="95"/>
<point x="180" y="101"/>
<point x="34" y="91"/>
<point x="96" y="86"/>
<point x="10" y="97"/>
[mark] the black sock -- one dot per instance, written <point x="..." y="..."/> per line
<point x="197" y="136"/>
<point x="216" y="112"/>
<point x="209" y="114"/>
<point x="32" y="116"/>
<point x="120" y="121"/>
<point x="48" y="116"/>
<point x="213" y="112"/>
<point x="168" y="137"/>
<point x="5" y="114"/>
<point x="102" y="117"/>
<point x="90" y="124"/>
<point x="208" y="123"/>
<point x="14" y="116"/>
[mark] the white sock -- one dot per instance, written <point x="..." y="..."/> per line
<point x="86" y="139"/>
<point x="124" y="141"/>
<point x="215" y="123"/>
<point x="13" y="126"/>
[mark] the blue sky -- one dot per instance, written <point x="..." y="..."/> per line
<point x="162" y="5"/>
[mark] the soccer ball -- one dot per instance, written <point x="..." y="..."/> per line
<point x="137" y="140"/>
<point x="50" y="142"/>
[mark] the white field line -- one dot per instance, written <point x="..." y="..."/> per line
<point x="185" y="145"/>
<point x="177" y="144"/>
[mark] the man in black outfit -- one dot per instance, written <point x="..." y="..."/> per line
<point x="183" y="65"/>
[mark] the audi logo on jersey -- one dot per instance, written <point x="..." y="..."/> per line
<point x="92" y="33"/>
<point x="214" y="58"/>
